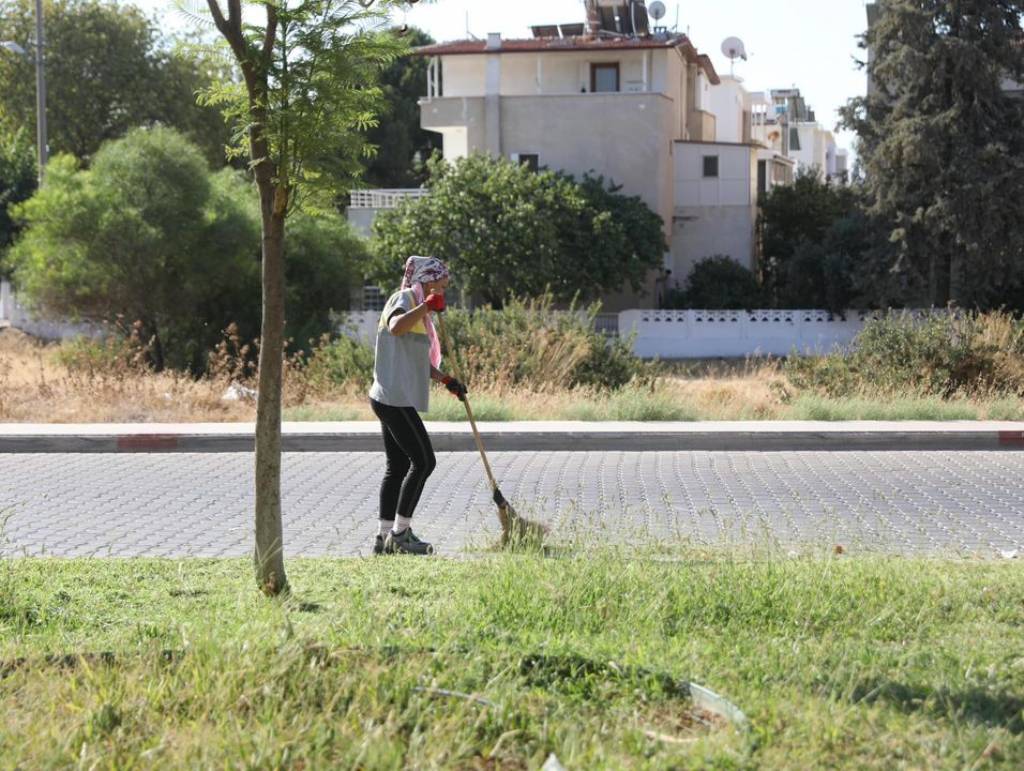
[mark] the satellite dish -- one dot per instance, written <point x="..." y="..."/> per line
<point x="734" y="49"/>
<point x="657" y="10"/>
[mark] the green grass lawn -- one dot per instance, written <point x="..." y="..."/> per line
<point x="838" y="662"/>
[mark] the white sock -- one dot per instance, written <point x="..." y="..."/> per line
<point x="385" y="526"/>
<point x="401" y="524"/>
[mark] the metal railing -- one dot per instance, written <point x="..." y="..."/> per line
<point x="384" y="199"/>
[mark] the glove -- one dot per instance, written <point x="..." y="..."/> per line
<point x="456" y="388"/>
<point x="435" y="302"/>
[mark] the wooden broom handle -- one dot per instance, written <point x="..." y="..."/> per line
<point x="469" y="412"/>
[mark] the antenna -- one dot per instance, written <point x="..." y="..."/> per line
<point x="657" y="10"/>
<point x="469" y="35"/>
<point x="734" y="49"/>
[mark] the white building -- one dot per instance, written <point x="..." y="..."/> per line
<point x="641" y="107"/>
<point x="614" y="105"/>
<point x="718" y="183"/>
<point x="806" y="141"/>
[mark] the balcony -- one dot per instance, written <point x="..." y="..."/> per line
<point x="702" y="126"/>
<point x="364" y="205"/>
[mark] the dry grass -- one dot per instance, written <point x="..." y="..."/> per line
<point x="48" y="384"/>
<point x="35" y="386"/>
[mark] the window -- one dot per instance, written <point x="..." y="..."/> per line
<point x="794" y="139"/>
<point x="527" y="159"/>
<point x="374" y="298"/>
<point x="604" y="78"/>
<point x="710" y="165"/>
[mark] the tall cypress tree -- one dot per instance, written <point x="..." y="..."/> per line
<point x="942" y="145"/>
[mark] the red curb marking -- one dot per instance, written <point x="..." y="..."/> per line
<point x="144" y="443"/>
<point x="1011" y="437"/>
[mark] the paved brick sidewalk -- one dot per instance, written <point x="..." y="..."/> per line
<point x="200" y="505"/>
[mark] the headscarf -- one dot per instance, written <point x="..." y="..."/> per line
<point x="419" y="271"/>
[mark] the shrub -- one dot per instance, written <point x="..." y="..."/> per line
<point x="938" y="354"/>
<point x="530" y="343"/>
<point x="527" y="343"/>
<point x="503" y="229"/>
<point x="338" y="362"/>
<point x="149" y="234"/>
<point x="717" y="282"/>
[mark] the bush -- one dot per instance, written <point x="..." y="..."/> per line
<point x="527" y="343"/>
<point x="503" y="229"/>
<point x="720" y="283"/>
<point x="339" y="362"/>
<point x="939" y="354"/>
<point x="149" y="234"/>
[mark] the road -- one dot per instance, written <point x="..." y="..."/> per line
<point x="200" y="505"/>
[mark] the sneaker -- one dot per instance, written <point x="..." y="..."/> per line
<point x="406" y="542"/>
<point x="378" y="545"/>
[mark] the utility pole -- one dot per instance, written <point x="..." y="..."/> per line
<point x="40" y="93"/>
<point x="18" y="50"/>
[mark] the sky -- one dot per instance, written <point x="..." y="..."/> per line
<point x="810" y="44"/>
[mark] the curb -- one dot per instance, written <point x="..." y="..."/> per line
<point x="517" y="438"/>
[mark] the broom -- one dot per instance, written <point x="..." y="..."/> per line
<point x="515" y="530"/>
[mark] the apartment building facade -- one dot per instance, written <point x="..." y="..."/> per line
<point x="639" y="105"/>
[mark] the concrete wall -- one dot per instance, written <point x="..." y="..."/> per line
<point x="813" y="152"/>
<point x="524" y="74"/>
<point x="671" y="66"/>
<point x="14" y="314"/>
<point x="713" y="215"/>
<point x="706" y="334"/>
<point x="463" y="75"/>
<point x="730" y="103"/>
<point x="699" y="334"/>
<point x="620" y="136"/>
<point x="461" y="121"/>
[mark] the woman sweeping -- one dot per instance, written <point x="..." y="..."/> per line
<point x="408" y="355"/>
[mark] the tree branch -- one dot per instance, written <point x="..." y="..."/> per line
<point x="235" y="17"/>
<point x="218" y="17"/>
<point x="271" y="32"/>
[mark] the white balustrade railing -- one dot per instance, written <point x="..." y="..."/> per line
<point x="691" y="334"/>
<point x="384" y="199"/>
<point x="708" y="334"/>
<point x="698" y="334"/>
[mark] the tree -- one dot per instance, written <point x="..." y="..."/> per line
<point x="795" y="215"/>
<point x="107" y="72"/>
<point x="149" y="235"/>
<point x="17" y="183"/>
<point x="307" y="94"/>
<point x="942" y="145"/>
<point x="325" y="263"/>
<point x="718" y="282"/>
<point x="816" y="239"/>
<point x="145" y="234"/>
<point x="398" y="138"/>
<point x="506" y="229"/>
<point x="185" y="70"/>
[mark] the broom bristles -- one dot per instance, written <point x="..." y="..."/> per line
<point x="517" y="531"/>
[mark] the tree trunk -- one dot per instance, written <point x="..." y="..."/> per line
<point x="269" y="555"/>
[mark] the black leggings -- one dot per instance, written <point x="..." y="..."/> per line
<point x="410" y="459"/>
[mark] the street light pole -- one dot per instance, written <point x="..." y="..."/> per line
<point x="40" y="93"/>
